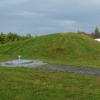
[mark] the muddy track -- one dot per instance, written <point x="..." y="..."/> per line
<point x="64" y="68"/>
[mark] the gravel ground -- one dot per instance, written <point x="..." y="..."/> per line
<point x="64" y="68"/>
<point x="60" y="68"/>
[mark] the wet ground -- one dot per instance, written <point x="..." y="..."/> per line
<point x="73" y="69"/>
<point x="57" y="67"/>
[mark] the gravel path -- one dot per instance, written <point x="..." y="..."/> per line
<point x="64" y="68"/>
<point x="60" y="68"/>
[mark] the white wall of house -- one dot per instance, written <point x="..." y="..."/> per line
<point x="98" y="39"/>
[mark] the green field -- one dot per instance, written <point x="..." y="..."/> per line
<point x="60" y="48"/>
<point x="35" y="84"/>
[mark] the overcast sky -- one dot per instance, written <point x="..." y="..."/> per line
<point x="49" y="16"/>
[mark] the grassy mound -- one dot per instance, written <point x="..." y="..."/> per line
<point x="61" y="48"/>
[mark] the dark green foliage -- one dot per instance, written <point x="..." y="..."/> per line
<point x="12" y="37"/>
<point x="96" y="33"/>
<point x="4" y="38"/>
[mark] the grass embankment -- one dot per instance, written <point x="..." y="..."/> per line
<point x="62" y="48"/>
<point x="29" y="84"/>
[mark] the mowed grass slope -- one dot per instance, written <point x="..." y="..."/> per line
<point x="29" y="84"/>
<point x="61" y="48"/>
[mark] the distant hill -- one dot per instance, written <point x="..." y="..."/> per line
<point x="59" y="48"/>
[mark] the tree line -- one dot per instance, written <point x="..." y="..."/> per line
<point x="94" y="35"/>
<point x="9" y="37"/>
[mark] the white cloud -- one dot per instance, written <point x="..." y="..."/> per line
<point x="66" y="23"/>
<point x="89" y="3"/>
<point x="70" y="22"/>
<point x="5" y="3"/>
<point x="27" y="14"/>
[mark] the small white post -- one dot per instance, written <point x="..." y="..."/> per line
<point x="19" y="57"/>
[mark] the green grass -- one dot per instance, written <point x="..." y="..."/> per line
<point x="35" y="84"/>
<point x="61" y="48"/>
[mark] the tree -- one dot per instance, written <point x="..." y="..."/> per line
<point x="12" y="36"/>
<point x="28" y="36"/>
<point x="96" y="33"/>
<point x="2" y="38"/>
